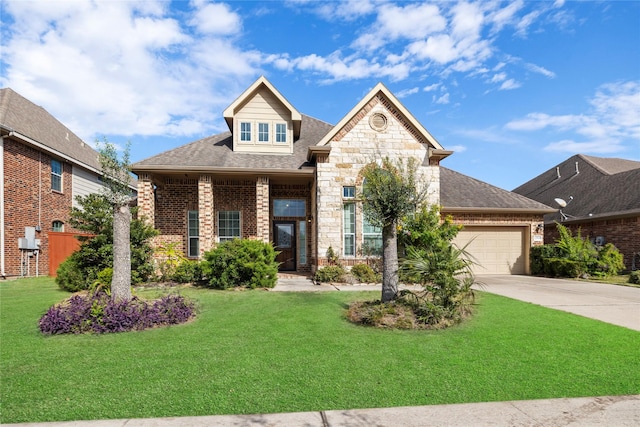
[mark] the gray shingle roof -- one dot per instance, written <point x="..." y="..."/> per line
<point x="22" y="116"/>
<point x="215" y="153"/>
<point x="599" y="186"/>
<point x="460" y="192"/>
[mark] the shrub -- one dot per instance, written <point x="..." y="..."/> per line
<point x="97" y="313"/>
<point x="537" y="256"/>
<point x="188" y="271"/>
<point x="364" y="273"/>
<point x="634" y="277"/>
<point x="562" y="267"/>
<point x="69" y="277"/>
<point x="241" y="262"/>
<point x="330" y="273"/>
<point x="609" y="262"/>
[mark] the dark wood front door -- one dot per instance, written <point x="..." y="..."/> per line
<point x="284" y="235"/>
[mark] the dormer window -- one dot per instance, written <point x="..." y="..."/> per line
<point x="281" y="132"/>
<point x="245" y="131"/>
<point x="263" y="132"/>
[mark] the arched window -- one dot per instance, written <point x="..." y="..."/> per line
<point x="57" y="226"/>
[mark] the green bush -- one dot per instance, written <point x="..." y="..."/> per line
<point x="241" y="262"/>
<point x="538" y="255"/>
<point x="364" y="274"/>
<point x="609" y="262"/>
<point x="69" y="277"/>
<point x="634" y="277"/>
<point x="563" y="267"/>
<point x="330" y="273"/>
<point x="188" y="271"/>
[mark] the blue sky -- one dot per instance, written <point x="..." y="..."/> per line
<point x="514" y="88"/>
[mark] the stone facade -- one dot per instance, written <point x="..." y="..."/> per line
<point x="360" y="142"/>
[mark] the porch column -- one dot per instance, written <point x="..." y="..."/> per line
<point x="262" y="208"/>
<point x="205" y="213"/>
<point x="146" y="199"/>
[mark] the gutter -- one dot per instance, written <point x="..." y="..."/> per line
<point x="476" y="209"/>
<point x="208" y="169"/>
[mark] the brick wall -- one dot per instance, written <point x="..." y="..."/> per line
<point x="29" y="201"/>
<point x="623" y="233"/>
<point x="531" y="220"/>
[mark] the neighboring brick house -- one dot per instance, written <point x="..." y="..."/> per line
<point x="601" y="198"/>
<point x="44" y="166"/>
<point x="287" y="178"/>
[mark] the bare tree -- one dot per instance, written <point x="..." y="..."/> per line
<point x="117" y="177"/>
<point x="390" y="191"/>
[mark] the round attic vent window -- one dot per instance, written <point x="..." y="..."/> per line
<point x="378" y="122"/>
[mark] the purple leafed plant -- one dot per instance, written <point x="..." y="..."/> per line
<point x="98" y="314"/>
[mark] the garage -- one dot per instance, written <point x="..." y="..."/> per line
<point x="495" y="249"/>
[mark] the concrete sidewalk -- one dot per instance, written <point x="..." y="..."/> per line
<point x="617" y="411"/>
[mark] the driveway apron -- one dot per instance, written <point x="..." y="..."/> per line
<point x="619" y="305"/>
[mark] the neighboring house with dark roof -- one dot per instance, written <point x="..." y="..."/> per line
<point x="283" y="177"/>
<point x="601" y="198"/>
<point x="44" y="167"/>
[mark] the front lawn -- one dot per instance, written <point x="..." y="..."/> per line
<point x="260" y="352"/>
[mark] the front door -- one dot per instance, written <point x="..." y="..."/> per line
<point x="284" y="235"/>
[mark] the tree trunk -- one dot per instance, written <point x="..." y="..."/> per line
<point x="389" y="262"/>
<point x="121" y="280"/>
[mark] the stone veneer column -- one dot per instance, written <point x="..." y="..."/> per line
<point x="146" y="199"/>
<point x="262" y="208"/>
<point x="205" y="212"/>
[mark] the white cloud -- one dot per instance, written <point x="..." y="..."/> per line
<point x="540" y="70"/>
<point x="457" y="148"/>
<point x="497" y="78"/>
<point x="510" y="84"/>
<point x="613" y="120"/>
<point x="432" y="87"/>
<point x="215" y="19"/>
<point x="444" y="99"/>
<point x="406" y="92"/>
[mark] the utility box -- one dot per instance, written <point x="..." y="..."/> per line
<point x="29" y="241"/>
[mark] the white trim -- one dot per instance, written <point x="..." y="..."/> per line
<point x="401" y="109"/>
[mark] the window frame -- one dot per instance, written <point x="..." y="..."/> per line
<point x="193" y="237"/>
<point x="56" y="176"/>
<point x="280" y="133"/>
<point x="346" y="234"/>
<point x="349" y="192"/>
<point x="57" y="226"/>
<point x="263" y="133"/>
<point x="226" y="237"/>
<point x="293" y="213"/>
<point x="244" y="132"/>
<point x="368" y="234"/>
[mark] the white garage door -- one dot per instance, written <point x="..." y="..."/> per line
<point x="496" y="250"/>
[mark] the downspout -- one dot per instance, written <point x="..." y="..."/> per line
<point x="2" y="251"/>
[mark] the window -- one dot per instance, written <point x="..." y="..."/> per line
<point x="57" y="226"/>
<point x="289" y="207"/>
<point x="349" y="192"/>
<point x="349" y="229"/>
<point x="245" y="131"/>
<point x="302" y="242"/>
<point x="228" y="225"/>
<point x="194" y="234"/>
<point x="281" y="132"/>
<point x="372" y="244"/>
<point x="56" y="175"/>
<point x="263" y="132"/>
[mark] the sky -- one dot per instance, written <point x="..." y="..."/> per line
<point x="513" y="88"/>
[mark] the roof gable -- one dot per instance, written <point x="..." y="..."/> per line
<point x="254" y="90"/>
<point x="380" y="94"/>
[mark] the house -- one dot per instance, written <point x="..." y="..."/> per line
<point x="284" y="177"/>
<point x="598" y="195"/>
<point x="44" y="167"/>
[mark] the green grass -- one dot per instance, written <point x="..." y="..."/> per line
<point x="261" y="352"/>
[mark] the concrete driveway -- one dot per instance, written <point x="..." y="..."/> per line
<point x="619" y="305"/>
